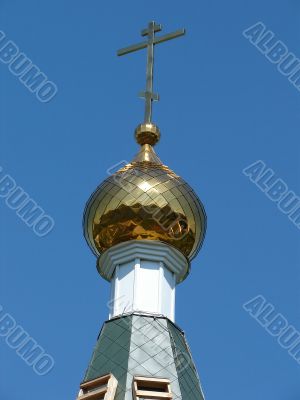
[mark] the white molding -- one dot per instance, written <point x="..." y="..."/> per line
<point x="149" y="250"/>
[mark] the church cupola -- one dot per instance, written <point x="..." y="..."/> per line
<point x="144" y="224"/>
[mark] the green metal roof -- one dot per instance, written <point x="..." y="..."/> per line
<point x="146" y="346"/>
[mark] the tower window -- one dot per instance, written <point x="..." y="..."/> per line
<point x="102" y="388"/>
<point x="151" y="388"/>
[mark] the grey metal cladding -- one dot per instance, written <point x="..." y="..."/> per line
<point x="145" y="345"/>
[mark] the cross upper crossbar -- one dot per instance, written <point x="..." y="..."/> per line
<point x="157" y="40"/>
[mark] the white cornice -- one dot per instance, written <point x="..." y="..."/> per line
<point x="149" y="250"/>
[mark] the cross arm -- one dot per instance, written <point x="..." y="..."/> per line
<point x="157" y="40"/>
<point x="169" y="36"/>
<point x="131" y="49"/>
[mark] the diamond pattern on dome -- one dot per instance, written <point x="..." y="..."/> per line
<point x="145" y="200"/>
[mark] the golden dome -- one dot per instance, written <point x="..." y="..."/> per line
<point x="145" y="200"/>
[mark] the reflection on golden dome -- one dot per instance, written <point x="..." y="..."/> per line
<point x="145" y="200"/>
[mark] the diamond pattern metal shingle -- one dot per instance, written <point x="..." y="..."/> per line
<point x="147" y="346"/>
<point x="187" y="374"/>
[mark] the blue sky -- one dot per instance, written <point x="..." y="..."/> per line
<point x="223" y="106"/>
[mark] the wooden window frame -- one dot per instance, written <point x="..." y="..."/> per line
<point x="103" y="387"/>
<point x="150" y="383"/>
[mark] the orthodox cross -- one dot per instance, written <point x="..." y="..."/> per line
<point x="148" y="94"/>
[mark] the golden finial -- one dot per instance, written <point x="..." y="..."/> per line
<point x="147" y="133"/>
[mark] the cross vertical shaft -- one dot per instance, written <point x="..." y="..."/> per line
<point x="148" y="94"/>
